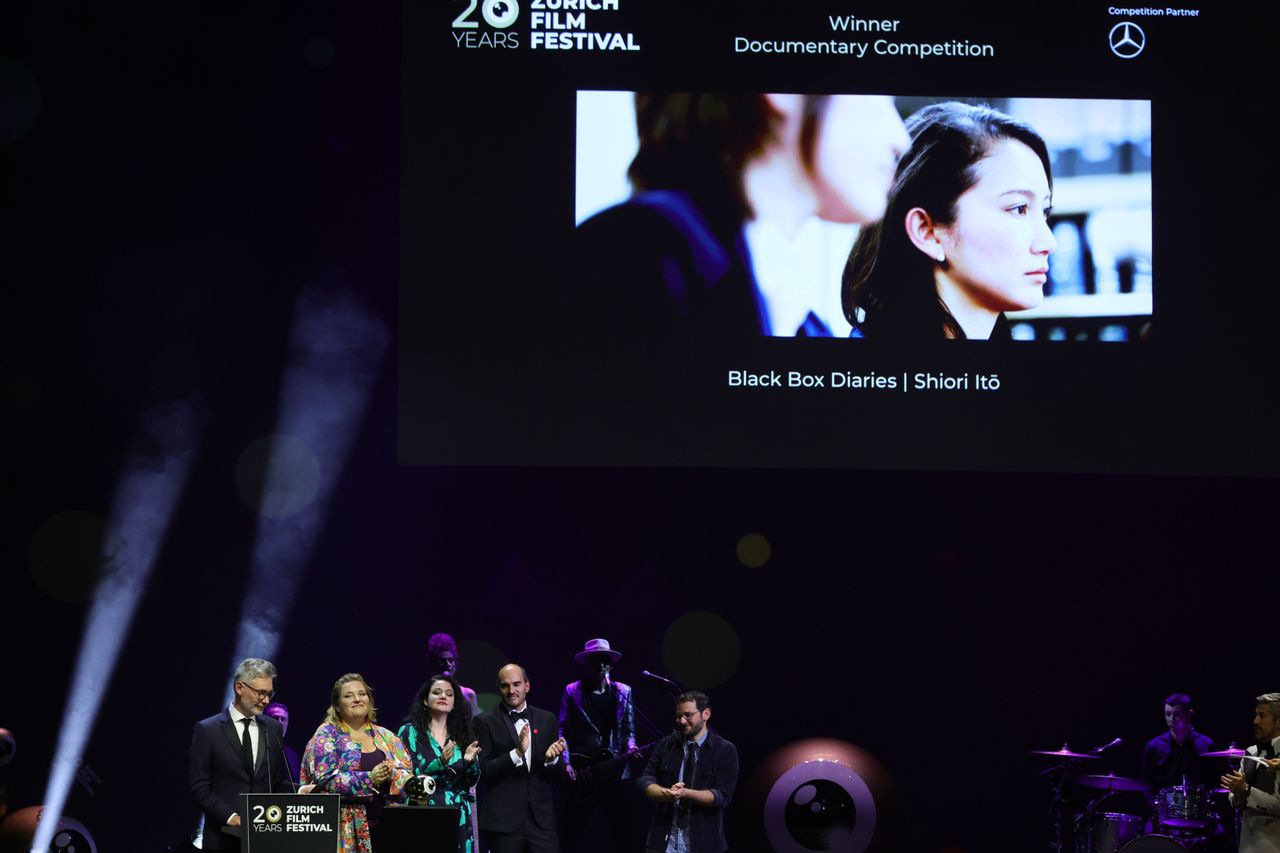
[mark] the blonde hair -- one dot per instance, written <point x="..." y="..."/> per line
<point x="331" y="716"/>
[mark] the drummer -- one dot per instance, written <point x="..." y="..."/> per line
<point x="1174" y="757"/>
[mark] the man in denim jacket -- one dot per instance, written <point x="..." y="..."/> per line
<point x="691" y="776"/>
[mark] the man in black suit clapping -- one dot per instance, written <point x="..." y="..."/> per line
<point x="520" y="758"/>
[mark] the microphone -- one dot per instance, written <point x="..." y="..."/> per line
<point x="1099" y="750"/>
<point x="607" y="681"/>
<point x="646" y="672"/>
<point x="287" y="771"/>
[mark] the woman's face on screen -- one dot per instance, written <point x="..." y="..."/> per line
<point x="860" y="138"/>
<point x="997" y="250"/>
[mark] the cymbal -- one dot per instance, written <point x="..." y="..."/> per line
<point x="1111" y="783"/>
<point x="1063" y="753"/>
<point x="1224" y="753"/>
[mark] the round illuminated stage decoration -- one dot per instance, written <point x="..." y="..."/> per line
<point x="500" y="14"/>
<point x="19" y="830"/>
<point x="8" y="746"/>
<point x="822" y="794"/>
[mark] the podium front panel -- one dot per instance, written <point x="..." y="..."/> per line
<point x="290" y="823"/>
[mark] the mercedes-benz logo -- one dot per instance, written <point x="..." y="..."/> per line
<point x="1127" y="40"/>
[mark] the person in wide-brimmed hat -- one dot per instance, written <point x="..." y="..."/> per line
<point x="597" y="720"/>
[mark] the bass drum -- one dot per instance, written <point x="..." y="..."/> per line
<point x="1154" y="844"/>
<point x="1107" y="832"/>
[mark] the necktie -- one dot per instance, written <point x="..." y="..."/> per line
<point x="686" y="776"/>
<point x="246" y="747"/>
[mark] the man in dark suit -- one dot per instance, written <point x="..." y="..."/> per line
<point x="238" y="751"/>
<point x="520" y="758"/>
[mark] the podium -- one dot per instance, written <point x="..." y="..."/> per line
<point x="419" y="829"/>
<point x="290" y="823"/>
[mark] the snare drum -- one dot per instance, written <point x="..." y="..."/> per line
<point x="1108" y="832"/>
<point x="1184" y="810"/>
<point x="1154" y="844"/>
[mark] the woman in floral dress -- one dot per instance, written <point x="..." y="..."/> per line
<point x="351" y="756"/>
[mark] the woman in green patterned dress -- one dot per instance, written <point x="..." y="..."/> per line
<point x="437" y="723"/>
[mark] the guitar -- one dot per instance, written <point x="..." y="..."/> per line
<point x="598" y="768"/>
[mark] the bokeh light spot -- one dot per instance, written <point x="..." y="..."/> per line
<point x="22" y="393"/>
<point x="701" y="650"/>
<point x="754" y="550"/>
<point x="65" y="554"/>
<point x="19" y="101"/>
<point x="478" y="665"/>
<point x="318" y="52"/>
<point x="295" y="476"/>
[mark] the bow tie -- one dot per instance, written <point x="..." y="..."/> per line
<point x="519" y="715"/>
<point x="1265" y="750"/>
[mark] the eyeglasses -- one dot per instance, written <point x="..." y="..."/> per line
<point x="263" y="695"/>
<point x="686" y="716"/>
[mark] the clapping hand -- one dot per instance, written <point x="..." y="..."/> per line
<point x="553" y="751"/>
<point x="471" y="752"/>
<point x="524" y="740"/>
<point x="446" y="754"/>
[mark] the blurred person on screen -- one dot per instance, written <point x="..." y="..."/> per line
<point x="965" y="235"/>
<point x="720" y="181"/>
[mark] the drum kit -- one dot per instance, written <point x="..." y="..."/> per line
<point x="1105" y="813"/>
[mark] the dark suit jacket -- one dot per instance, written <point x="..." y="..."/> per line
<point x="508" y="792"/>
<point x="218" y="776"/>
<point x="663" y="263"/>
<point x="716" y="771"/>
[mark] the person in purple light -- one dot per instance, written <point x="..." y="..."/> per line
<point x="442" y="658"/>
<point x="1174" y="757"/>
<point x="279" y="712"/>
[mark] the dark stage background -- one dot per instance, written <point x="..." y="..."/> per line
<point x="189" y="172"/>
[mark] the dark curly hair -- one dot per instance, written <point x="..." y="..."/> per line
<point x="458" y="722"/>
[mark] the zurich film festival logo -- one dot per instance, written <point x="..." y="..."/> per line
<point x="267" y="818"/>
<point x="498" y="16"/>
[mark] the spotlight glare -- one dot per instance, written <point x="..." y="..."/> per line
<point x="150" y="484"/>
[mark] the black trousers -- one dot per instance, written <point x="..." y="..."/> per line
<point x="615" y="800"/>
<point x="529" y="838"/>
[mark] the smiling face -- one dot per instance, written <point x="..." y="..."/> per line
<point x="997" y="250"/>
<point x="690" y="721"/>
<point x="860" y="139"/>
<point x="253" y="695"/>
<point x="513" y="686"/>
<point x="354" y="703"/>
<point x="440" y="697"/>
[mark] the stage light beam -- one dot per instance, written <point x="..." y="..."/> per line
<point x="151" y="482"/>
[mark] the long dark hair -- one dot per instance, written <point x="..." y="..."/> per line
<point x="701" y="142"/>
<point x="458" y="723"/>
<point x="888" y="287"/>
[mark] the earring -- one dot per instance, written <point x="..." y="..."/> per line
<point x="942" y="256"/>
